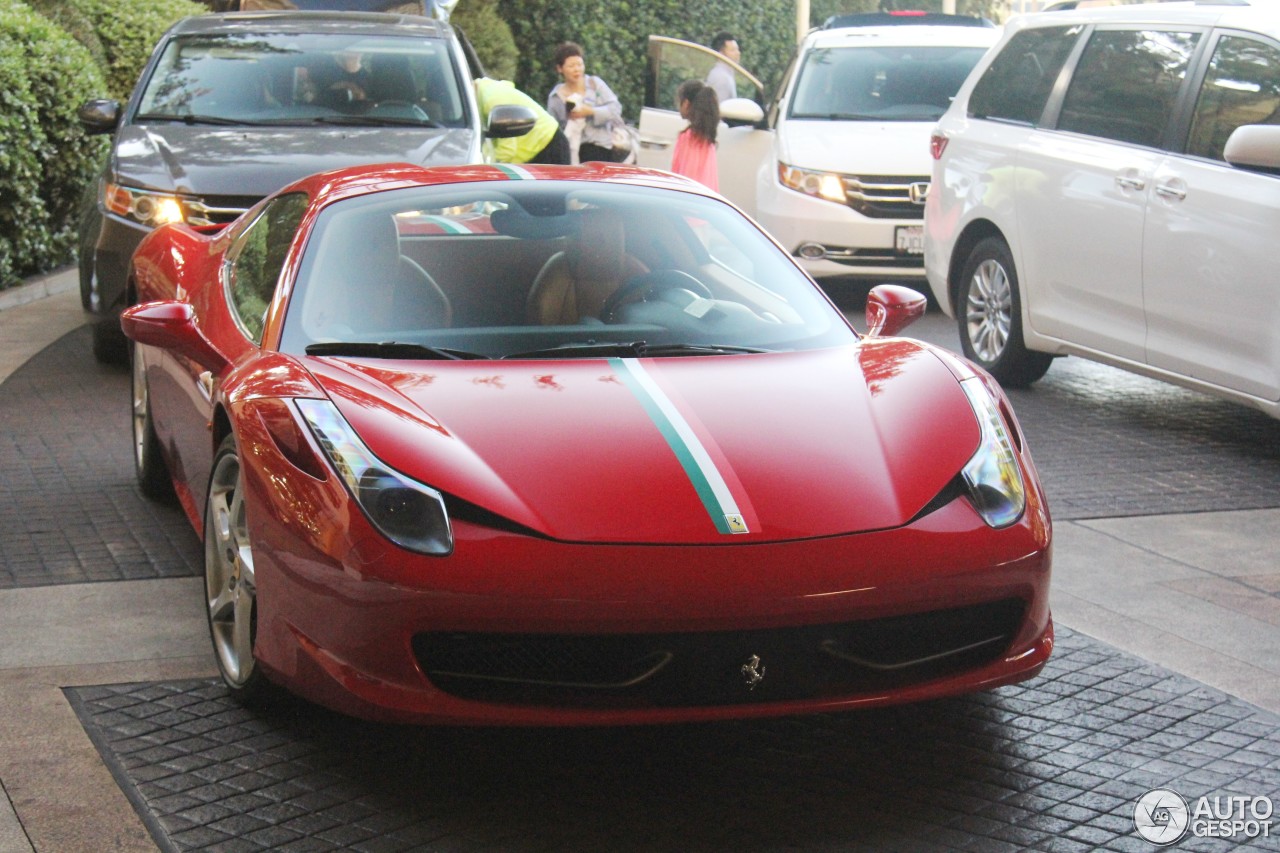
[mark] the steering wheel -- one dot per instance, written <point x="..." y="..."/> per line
<point x="647" y="285"/>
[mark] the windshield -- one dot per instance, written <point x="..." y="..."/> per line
<point x="880" y="83"/>
<point x="548" y="269"/>
<point x="300" y="79"/>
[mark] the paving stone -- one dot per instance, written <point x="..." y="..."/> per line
<point x="988" y="772"/>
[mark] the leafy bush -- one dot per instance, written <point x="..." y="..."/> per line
<point x="45" y="160"/>
<point x="489" y="35"/>
<point x="128" y="32"/>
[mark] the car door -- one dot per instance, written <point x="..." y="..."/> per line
<point x="1083" y="188"/>
<point x="1208" y="259"/>
<point x="740" y="150"/>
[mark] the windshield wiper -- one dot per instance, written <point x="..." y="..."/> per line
<point x="388" y="349"/>
<point x="193" y="119"/>
<point x="375" y="121"/>
<point x="632" y="349"/>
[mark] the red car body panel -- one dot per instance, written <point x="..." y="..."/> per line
<point x="450" y="425"/>
<point x="576" y="517"/>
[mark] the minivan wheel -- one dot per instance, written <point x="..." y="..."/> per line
<point x="989" y="313"/>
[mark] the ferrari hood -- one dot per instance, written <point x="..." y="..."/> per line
<point x="672" y="450"/>
<point x="857" y="147"/>
<point x="257" y="161"/>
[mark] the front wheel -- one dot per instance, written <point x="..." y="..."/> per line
<point x="230" y="586"/>
<point x="989" y="313"/>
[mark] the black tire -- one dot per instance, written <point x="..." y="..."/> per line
<point x="231" y="601"/>
<point x="989" y="315"/>
<point x="148" y="462"/>
<point x="110" y="346"/>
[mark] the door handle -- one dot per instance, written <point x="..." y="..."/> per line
<point x="1172" y="192"/>
<point x="1130" y="182"/>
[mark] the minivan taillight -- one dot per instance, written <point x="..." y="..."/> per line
<point x="938" y="144"/>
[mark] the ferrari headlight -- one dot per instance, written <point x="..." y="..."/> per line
<point x="992" y="475"/>
<point x="407" y="512"/>
<point x="145" y="207"/>
<point x="826" y="185"/>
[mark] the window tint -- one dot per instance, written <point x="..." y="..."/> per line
<point x="1126" y="85"/>
<point x="882" y="83"/>
<point x="258" y="258"/>
<point x="1017" y="83"/>
<point x="1241" y="87"/>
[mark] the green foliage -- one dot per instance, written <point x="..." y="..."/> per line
<point x="489" y="35"/>
<point x="613" y="35"/>
<point x="76" y="23"/>
<point x="128" y="32"/>
<point x="45" y="160"/>
<point x="54" y="55"/>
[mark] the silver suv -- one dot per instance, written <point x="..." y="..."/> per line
<point x="1107" y="184"/>
<point x="232" y="107"/>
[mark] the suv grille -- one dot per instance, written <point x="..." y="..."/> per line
<point x="887" y="196"/>
<point x="714" y="668"/>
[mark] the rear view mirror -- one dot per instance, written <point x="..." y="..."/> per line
<point x="891" y="308"/>
<point x="100" y="115"/>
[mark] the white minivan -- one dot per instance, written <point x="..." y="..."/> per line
<point x="837" y="169"/>
<point x="1107" y="185"/>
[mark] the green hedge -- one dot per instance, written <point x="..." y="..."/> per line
<point x="128" y="31"/>
<point x="489" y="35"/>
<point x="45" y="161"/>
<point x="54" y="55"/>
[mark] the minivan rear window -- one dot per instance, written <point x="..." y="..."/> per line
<point x="1017" y="83"/>
<point x="1126" y="85"/>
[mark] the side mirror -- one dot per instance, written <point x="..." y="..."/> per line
<point x="1254" y="146"/>
<point x="100" y="115"/>
<point x="891" y="308"/>
<point x="509" y="120"/>
<point x="172" y="325"/>
<point x="739" y="111"/>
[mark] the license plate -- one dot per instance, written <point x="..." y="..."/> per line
<point x="909" y="240"/>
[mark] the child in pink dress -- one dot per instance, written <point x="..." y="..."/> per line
<point x="695" y="150"/>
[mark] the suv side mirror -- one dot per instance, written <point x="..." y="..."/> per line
<point x="1254" y="146"/>
<point x="100" y="115"/>
<point x="507" y="120"/>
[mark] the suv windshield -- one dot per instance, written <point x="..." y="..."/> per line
<point x="290" y="79"/>
<point x="881" y="83"/>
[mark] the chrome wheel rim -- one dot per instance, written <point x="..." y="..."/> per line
<point x="989" y="310"/>
<point x="140" y="414"/>
<point x="229" y="582"/>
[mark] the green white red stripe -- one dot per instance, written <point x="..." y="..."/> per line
<point x="515" y="173"/>
<point x="698" y="465"/>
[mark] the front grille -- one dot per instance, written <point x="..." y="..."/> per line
<point x="887" y="196"/>
<point x="714" y="668"/>
<point x="215" y="210"/>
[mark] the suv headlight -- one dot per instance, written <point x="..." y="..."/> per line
<point x="145" y="207"/>
<point x="407" y="512"/>
<point x="826" y="185"/>
<point x="992" y="475"/>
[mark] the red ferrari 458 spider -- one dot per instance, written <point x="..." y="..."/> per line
<point x="560" y="445"/>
